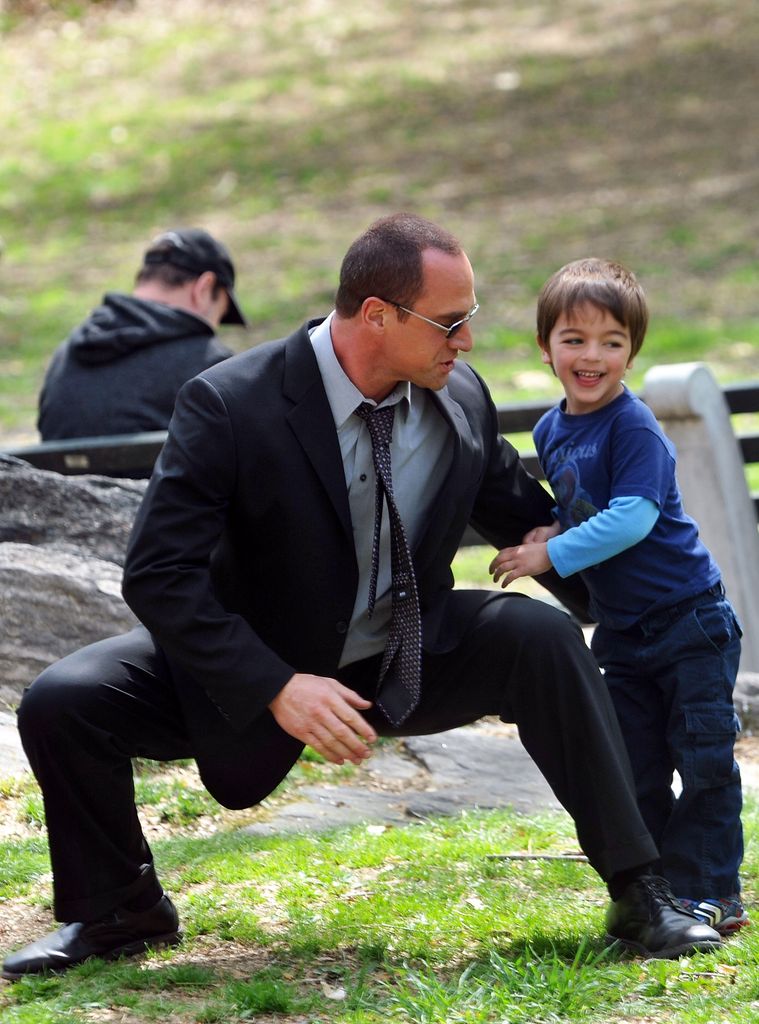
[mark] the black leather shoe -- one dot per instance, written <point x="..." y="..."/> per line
<point x="120" y="933"/>
<point x="648" y="920"/>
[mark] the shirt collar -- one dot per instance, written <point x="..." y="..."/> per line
<point x="342" y="394"/>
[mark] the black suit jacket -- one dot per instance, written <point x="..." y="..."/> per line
<point x="241" y="561"/>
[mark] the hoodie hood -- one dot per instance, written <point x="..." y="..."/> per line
<point x="123" y="323"/>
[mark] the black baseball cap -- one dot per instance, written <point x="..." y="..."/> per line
<point x="195" y="250"/>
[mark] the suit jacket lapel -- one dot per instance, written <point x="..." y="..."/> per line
<point x="447" y="503"/>
<point x="311" y="421"/>
<point x="454" y="414"/>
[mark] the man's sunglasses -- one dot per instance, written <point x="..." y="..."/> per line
<point x="451" y="330"/>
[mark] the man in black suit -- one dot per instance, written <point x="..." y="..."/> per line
<point x="267" y="600"/>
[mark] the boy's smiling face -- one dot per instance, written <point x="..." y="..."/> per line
<point x="589" y="351"/>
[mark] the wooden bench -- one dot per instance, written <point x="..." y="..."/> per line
<point x="119" y="455"/>
<point x="744" y="398"/>
<point x="133" y="455"/>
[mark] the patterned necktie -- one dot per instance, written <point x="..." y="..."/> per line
<point x="400" y="672"/>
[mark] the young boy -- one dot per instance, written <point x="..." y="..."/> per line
<point x="667" y="638"/>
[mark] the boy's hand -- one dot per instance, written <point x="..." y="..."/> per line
<point x="540" y="534"/>
<point x="524" y="560"/>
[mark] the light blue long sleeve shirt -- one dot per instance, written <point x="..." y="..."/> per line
<point x="625" y="522"/>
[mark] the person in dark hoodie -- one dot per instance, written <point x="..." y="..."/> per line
<point x="119" y="371"/>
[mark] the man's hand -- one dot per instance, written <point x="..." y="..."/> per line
<point x="323" y="713"/>
<point x="524" y="560"/>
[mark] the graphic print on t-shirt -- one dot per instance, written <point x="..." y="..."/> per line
<point x="573" y="500"/>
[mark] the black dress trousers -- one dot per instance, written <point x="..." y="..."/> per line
<point x="88" y="715"/>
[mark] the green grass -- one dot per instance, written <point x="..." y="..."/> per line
<point x="537" y="134"/>
<point x="424" y="924"/>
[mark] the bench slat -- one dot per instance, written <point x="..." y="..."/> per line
<point x="117" y="455"/>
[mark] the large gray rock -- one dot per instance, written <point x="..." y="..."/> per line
<point x="87" y="515"/>
<point x="12" y="757"/>
<point x="51" y="603"/>
<point x="62" y="545"/>
<point x="747" y="700"/>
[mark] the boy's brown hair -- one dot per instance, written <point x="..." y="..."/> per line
<point x="602" y="283"/>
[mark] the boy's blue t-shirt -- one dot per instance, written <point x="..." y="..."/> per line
<point x="621" y="451"/>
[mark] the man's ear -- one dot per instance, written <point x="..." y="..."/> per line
<point x="373" y="312"/>
<point x="202" y="290"/>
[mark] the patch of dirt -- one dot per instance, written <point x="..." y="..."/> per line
<point x="21" y="922"/>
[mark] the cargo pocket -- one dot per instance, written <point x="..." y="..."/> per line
<point x="710" y="737"/>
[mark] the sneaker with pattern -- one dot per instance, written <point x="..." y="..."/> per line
<point x="724" y="914"/>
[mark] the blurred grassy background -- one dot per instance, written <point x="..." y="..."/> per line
<point x="537" y="132"/>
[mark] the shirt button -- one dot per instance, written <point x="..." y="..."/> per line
<point x="341" y="626"/>
<point x="362" y="478"/>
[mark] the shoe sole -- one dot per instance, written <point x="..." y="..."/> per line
<point x="732" y="925"/>
<point x="129" y="949"/>
<point x="668" y="953"/>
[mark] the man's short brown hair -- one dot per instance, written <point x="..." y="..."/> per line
<point x="386" y="261"/>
